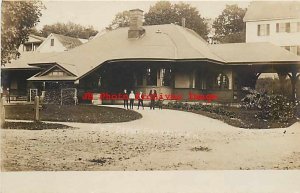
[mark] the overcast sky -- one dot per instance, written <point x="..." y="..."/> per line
<point x="100" y="13"/>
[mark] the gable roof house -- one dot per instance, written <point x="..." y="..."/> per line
<point x="31" y="44"/>
<point x="16" y="73"/>
<point x="59" y="43"/>
<point x="171" y="58"/>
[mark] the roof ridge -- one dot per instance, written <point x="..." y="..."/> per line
<point x="192" y="32"/>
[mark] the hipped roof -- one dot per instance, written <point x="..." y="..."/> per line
<point x="162" y="42"/>
<point x="159" y="42"/>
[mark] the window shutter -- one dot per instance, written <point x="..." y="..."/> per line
<point x="277" y="27"/>
<point x="258" y="30"/>
<point x="288" y="27"/>
<point x="268" y="29"/>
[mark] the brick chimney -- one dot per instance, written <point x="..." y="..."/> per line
<point x="135" y="23"/>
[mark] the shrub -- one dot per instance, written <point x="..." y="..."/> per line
<point x="199" y="107"/>
<point x="270" y="107"/>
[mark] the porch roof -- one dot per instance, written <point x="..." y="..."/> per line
<point x="52" y="78"/>
<point x="260" y="52"/>
<point x="27" y="58"/>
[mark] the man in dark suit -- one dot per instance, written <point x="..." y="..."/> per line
<point x="125" y="98"/>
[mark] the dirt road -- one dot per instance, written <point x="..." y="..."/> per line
<point x="161" y="140"/>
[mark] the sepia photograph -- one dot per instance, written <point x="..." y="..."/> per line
<point x="150" y="86"/>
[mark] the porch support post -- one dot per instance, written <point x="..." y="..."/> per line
<point x="294" y="77"/>
<point x="160" y="77"/>
<point x="282" y="77"/>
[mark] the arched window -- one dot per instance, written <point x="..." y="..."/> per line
<point x="222" y="81"/>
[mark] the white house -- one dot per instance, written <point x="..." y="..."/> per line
<point x="277" y="22"/>
<point x="58" y="43"/>
<point x="31" y="44"/>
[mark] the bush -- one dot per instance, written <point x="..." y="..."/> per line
<point x="270" y="107"/>
<point x="200" y="107"/>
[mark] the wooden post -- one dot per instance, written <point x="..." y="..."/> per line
<point x="294" y="77"/>
<point x="282" y="77"/>
<point x="36" y="108"/>
<point x="2" y="109"/>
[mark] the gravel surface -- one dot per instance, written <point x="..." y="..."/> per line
<point x="161" y="140"/>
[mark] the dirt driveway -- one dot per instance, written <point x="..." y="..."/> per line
<point x="161" y="140"/>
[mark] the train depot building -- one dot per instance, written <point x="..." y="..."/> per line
<point x="170" y="58"/>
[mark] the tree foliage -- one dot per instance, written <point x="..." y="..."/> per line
<point x="18" y="17"/>
<point x="121" y="20"/>
<point x="69" y="29"/>
<point x="229" y="26"/>
<point x="164" y="12"/>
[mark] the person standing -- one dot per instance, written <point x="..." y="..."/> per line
<point x="1" y="92"/>
<point x="160" y="101"/>
<point x="131" y="99"/>
<point x="7" y="95"/>
<point x="141" y="100"/>
<point x="125" y="98"/>
<point x="152" y="96"/>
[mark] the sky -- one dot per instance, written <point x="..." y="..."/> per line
<point x="99" y="14"/>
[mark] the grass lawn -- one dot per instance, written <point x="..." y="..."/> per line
<point x="33" y="125"/>
<point x="71" y="113"/>
<point x="244" y="118"/>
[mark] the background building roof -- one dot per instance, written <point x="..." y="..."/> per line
<point x="271" y="10"/>
<point x="68" y="42"/>
<point x="258" y="52"/>
<point x="34" y="39"/>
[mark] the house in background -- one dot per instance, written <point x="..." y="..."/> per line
<point x="277" y="22"/>
<point x="15" y="74"/>
<point x="59" y="43"/>
<point x="31" y="44"/>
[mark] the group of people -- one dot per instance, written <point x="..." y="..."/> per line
<point x="140" y="97"/>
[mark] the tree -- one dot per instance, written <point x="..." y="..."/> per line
<point x="121" y="20"/>
<point x="163" y="12"/>
<point x="34" y="31"/>
<point x="193" y="18"/>
<point x="69" y="29"/>
<point x="18" y="18"/>
<point x="229" y="26"/>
